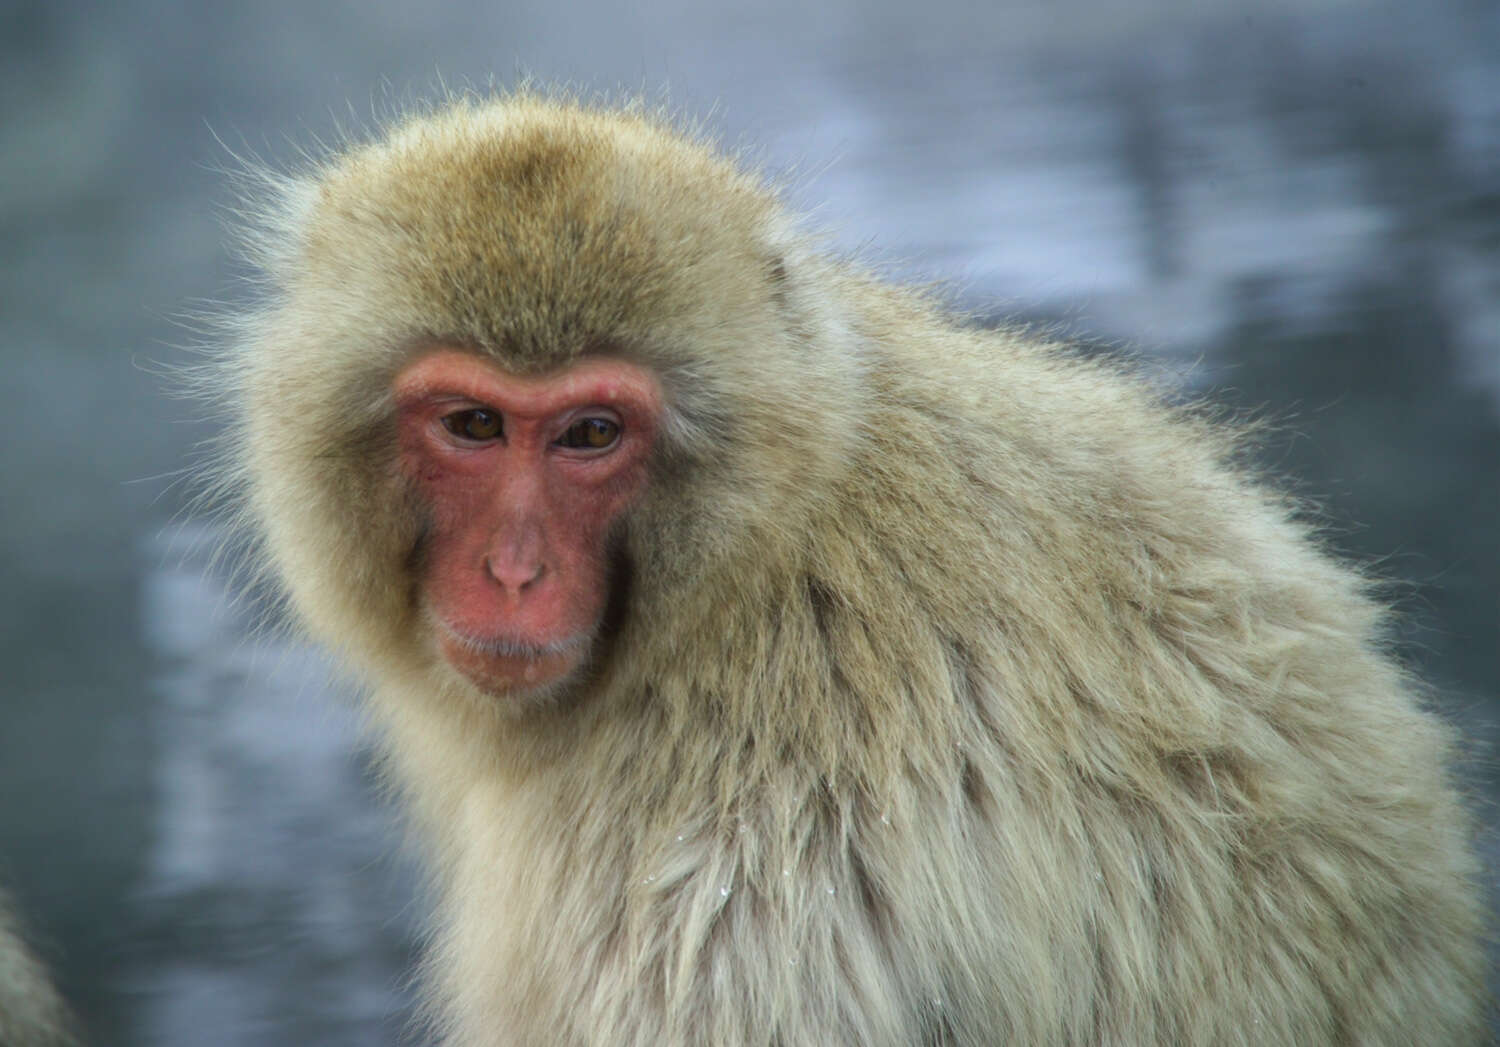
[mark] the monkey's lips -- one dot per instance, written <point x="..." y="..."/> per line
<point x="509" y="665"/>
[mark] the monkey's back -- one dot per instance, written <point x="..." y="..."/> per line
<point x="1176" y="784"/>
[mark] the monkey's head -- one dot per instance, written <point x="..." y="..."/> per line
<point x="528" y="375"/>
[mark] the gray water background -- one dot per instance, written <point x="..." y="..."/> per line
<point x="1292" y="206"/>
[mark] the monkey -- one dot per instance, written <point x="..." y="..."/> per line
<point x="32" y="1014"/>
<point x="769" y="657"/>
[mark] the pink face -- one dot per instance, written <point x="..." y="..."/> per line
<point x="522" y="478"/>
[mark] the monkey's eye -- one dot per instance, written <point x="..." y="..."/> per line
<point x="590" y="434"/>
<point x="477" y="423"/>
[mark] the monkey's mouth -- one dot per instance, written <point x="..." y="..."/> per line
<point x="507" y="664"/>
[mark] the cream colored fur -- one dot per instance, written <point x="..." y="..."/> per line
<point x="963" y="692"/>
<point x="31" y="1012"/>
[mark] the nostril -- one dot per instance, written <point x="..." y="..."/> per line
<point x="536" y="576"/>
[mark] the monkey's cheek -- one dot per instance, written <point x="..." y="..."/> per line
<point x="510" y="674"/>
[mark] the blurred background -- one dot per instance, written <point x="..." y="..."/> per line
<point x="1293" y="207"/>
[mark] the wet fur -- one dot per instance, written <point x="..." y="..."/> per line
<point x="964" y="693"/>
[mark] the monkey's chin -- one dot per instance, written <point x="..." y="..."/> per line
<point x="508" y="668"/>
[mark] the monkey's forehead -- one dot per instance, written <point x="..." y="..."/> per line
<point x="536" y="227"/>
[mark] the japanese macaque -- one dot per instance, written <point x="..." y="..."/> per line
<point x="31" y="1012"/>
<point x="770" y="659"/>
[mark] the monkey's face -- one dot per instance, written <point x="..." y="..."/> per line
<point x="521" y="479"/>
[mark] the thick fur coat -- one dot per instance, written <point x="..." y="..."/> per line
<point x="957" y="690"/>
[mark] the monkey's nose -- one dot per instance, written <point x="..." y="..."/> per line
<point x="515" y="576"/>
